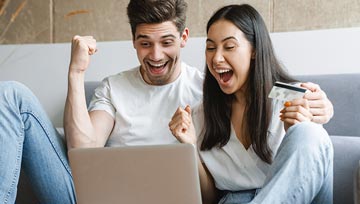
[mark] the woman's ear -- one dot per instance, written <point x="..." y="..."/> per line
<point x="253" y="54"/>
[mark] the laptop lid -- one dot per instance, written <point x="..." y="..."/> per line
<point x="161" y="174"/>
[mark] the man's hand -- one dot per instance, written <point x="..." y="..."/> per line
<point x="82" y="47"/>
<point x="320" y="106"/>
<point x="314" y="106"/>
<point x="181" y="126"/>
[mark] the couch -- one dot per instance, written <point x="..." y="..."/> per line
<point x="344" y="129"/>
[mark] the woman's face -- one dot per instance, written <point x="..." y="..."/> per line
<point x="228" y="56"/>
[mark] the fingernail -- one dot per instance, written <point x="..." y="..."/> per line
<point x="287" y="104"/>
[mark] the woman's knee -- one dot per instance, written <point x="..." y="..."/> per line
<point x="308" y="135"/>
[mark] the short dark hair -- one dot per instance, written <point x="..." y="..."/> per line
<point x="156" y="11"/>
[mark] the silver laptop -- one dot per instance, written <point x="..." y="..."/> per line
<point x="161" y="174"/>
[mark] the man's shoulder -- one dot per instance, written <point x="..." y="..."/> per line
<point x="124" y="74"/>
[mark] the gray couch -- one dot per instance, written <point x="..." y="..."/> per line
<point x="344" y="129"/>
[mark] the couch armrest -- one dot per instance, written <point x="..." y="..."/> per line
<point x="357" y="185"/>
<point x="346" y="161"/>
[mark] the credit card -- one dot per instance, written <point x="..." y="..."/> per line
<point x="286" y="92"/>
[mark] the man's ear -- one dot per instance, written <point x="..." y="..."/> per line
<point x="184" y="37"/>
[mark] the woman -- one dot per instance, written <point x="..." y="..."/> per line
<point x="245" y="154"/>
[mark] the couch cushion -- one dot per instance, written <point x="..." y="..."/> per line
<point x="90" y="87"/>
<point x="343" y="90"/>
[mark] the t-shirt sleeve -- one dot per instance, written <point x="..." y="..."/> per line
<point x="101" y="99"/>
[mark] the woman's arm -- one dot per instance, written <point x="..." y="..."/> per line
<point x="182" y="127"/>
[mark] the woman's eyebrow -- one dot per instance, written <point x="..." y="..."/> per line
<point x="225" y="39"/>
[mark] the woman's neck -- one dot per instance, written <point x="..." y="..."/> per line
<point x="238" y="119"/>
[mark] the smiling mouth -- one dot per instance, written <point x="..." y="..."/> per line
<point x="225" y="75"/>
<point x="156" y="68"/>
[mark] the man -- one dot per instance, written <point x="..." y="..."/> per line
<point x="131" y="108"/>
<point x="154" y="90"/>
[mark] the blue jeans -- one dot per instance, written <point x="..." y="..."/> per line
<point x="301" y="173"/>
<point x="28" y="139"/>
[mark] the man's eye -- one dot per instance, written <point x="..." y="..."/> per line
<point x="145" y="44"/>
<point x="167" y="43"/>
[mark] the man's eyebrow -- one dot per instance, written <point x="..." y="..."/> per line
<point x="168" y="36"/>
<point x="147" y="37"/>
<point x="142" y="36"/>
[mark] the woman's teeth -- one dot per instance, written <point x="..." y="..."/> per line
<point x="220" y="71"/>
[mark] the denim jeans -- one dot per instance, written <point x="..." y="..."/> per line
<point x="28" y="139"/>
<point x="301" y="173"/>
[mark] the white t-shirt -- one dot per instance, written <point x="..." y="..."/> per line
<point x="233" y="167"/>
<point x="141" y="111"/>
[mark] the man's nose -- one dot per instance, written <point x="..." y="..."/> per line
<point x="156" y="53"/>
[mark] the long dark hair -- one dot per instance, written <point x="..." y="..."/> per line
<point x="265" y="69"/>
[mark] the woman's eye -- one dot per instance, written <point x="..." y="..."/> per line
<point x="210" y="48"/>
<point x="229" y="47"/>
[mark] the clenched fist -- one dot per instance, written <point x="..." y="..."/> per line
<point x="82" y="47"/>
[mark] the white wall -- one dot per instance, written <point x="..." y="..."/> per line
<point x="319" y="52"/>
<point x="43" y="67"/>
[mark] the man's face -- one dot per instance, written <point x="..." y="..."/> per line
<point x="158" y="50"/>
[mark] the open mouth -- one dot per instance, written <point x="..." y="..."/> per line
<point x="225" y="74"/>
<point x="157" y="68"/>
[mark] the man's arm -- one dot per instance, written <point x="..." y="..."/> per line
<point x="83" y="129"/>
<point x="314" y="106"/>
<point x="320" y="106"/>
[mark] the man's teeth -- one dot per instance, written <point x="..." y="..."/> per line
<point x="157" y="65"/>
<point x="220" y="71"/>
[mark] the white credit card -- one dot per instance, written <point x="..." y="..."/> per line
<point x="286" y="92"/>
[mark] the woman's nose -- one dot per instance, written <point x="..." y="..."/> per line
<point x="218" y="56"/>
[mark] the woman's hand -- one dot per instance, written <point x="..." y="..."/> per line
<point x="182" y="127"/>
<point x="295" y="111"/>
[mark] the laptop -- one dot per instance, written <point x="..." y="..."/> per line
<point x="161" y="174"/>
